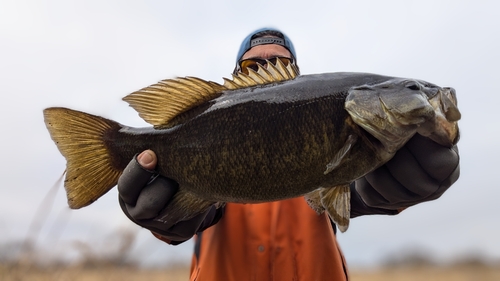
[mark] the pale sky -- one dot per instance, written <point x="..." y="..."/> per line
<point x="87" y="55"/>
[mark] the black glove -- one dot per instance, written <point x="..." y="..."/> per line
<point x="420" y="171"/>
<point x="143" y="194"/>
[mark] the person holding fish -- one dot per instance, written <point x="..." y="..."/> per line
<point x="286" y="239"/>
<point x="306" y="153"/>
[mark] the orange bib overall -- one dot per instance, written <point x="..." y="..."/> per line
<point x="284" y="240"/>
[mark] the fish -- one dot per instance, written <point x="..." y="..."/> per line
<point x="264" y="136"/>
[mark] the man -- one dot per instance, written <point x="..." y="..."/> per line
<point x="284" y="240"/>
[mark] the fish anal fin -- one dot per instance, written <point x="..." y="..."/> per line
<point x="337" y="203"/>
<point x="184" y="206"/>
<point x="159" y="103"/>
<point x="341" y="154"/>
<point x="313" y="199"/>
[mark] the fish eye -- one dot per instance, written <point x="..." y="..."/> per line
<point x="363" y="88"/>
<point x="413" y="86"/>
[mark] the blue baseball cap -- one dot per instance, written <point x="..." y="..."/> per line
<point x="248" y="42"/>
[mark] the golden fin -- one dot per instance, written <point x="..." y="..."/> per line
<point x="264" y="75"/>
<point x="159" y="103"/>
<point x="337" y="203"/>
<point x="337" y="159"/>
<point x="313" y="199"/>
<point x="80" y="139"/>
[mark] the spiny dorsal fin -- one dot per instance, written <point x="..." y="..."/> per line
<point x="160" y="103"/>
<point x="264" y="75"/>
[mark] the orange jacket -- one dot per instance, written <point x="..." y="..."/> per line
<point x="284" y="240"/>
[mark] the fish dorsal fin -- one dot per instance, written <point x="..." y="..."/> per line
<point x="264" y="75"/>
<point x="159" y="103"/>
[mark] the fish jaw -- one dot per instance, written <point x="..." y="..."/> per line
<point x="393" y="111"/>
<point x="443" y="129"/>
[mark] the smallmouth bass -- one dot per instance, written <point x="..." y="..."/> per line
<point x="266" y="136"/>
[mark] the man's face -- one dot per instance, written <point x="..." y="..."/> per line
<point x="266" y="52"/>
<point x="259" y="54"/>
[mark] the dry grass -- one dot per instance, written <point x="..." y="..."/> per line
<point x="111" y="273"/>
<point x="76" y="273"/>
<point x="430" y="273"/>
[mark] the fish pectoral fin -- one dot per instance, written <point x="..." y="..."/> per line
<point x="313" y="199"/>
<point x="341" y="154"/>
<point x="184" y="206"/>
<point x="337" y="203"/>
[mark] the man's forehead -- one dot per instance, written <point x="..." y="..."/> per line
<point x="267" y="51"/>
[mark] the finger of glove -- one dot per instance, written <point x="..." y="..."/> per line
<point x="382" y="190"/>
<point x="153" y="198"/>
<point x="125" y="211"/>
<point x="371" y="196"/>
<point x="184" y="230"/>
<point x="445" y="184"/>
<point x="132" y="180"/>
<point x="407" y="170"/>
<point x="438" y="161"/>
<point x="360" y="208"/>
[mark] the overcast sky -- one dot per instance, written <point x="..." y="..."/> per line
<point x="87" y="55"/>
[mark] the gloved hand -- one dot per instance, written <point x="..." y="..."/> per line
<point x="422" y="170"/>
<point x="143" y="194"/>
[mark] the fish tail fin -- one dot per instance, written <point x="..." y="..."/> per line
<point x="82" y="140"/>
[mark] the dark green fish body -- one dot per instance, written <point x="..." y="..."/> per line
<point x="258" y="143"/>
<point x="265" y="143"/>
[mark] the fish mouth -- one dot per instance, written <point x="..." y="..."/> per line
<point x="443" y="129"/>
<point x="395" y="110"/>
